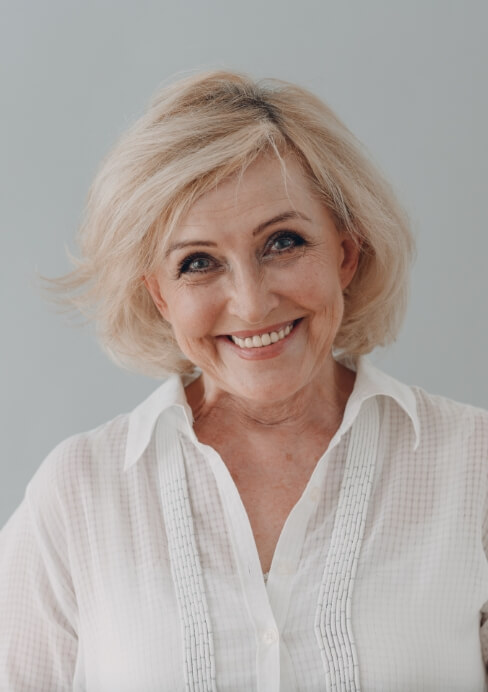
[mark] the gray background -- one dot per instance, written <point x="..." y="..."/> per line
<point x="409" y="78"/>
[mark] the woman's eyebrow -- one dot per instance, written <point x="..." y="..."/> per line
<point x="188" y="243"/>
<point x="285" y="216"/>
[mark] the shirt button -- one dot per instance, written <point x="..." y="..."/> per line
<point x="315" y="494"/>
<point x="270" y="636"/>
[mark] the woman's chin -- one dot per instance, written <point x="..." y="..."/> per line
<point x="265" y="390"/>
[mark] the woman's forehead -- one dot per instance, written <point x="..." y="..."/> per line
<point x="265" y="185"/>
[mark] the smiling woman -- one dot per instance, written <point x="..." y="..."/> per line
<point x="278" y="515"/>
<point x="257" y="256"/>
<point x="196" y="134"/>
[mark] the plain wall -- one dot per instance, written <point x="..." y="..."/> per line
<point x="408" y="78"/>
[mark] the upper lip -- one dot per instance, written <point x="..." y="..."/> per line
<point x="263" y="330"/>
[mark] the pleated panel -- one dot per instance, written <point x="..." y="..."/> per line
<point x="198" y="650"/>
<point x="333" y="627"/>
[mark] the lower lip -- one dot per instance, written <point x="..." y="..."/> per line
<point x="262" y="352"/>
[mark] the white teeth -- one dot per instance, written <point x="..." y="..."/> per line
<point x="263" y="339"/>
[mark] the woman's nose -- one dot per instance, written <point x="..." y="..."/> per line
<point x="252" y="298"/>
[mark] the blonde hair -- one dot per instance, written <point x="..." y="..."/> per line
<point x="194" y="134"/>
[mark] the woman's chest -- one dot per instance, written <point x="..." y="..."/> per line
<point x="409" y="634"/>
<point x="270" y="481"/>
<point x="268" y="497"/>
<point x="414" y="611"/>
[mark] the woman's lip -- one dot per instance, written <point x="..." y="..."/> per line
<point x="263" y="352"/>
<point x="264" y="330"/>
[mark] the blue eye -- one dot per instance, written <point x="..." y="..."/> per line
<point x="199" y="264"/>
<point x="196" y="264"/>
<point x="284" y="241"/>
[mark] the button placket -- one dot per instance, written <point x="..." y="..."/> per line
<point x="314" y="494"/>
<point x="288" y="551"/>
<point x="285" y="568"/>
<point x="270" y="636"/>
<point x="251" y="576"/>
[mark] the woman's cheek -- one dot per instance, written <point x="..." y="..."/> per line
<point x="196" y="315"/>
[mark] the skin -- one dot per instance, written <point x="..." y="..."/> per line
<point x="269" y="413"/>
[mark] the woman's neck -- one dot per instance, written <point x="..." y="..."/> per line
<point x="318" y="405"/>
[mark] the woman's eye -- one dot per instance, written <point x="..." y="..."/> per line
<point x="196" y="264"/>
<point x="285" y="241"/>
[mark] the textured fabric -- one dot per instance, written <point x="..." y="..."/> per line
<point x="185" y="563"/>
<point x="333" y="616"/>
<point x="379" y="581"/>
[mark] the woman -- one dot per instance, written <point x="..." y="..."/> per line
<point x="278" y="515"/>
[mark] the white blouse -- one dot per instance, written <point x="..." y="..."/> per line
<point x="131" y="564"/>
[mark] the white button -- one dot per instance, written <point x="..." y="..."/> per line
<point x="314" y="494"/>
<point x="270" y="636"/>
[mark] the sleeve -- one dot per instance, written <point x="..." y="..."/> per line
<point x="38" y="639"/>
<point x="484" y="609"/>
<point x="483" y="456"/>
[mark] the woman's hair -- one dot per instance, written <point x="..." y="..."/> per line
<point x="194" y="134"/>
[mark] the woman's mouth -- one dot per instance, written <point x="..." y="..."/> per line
<point x="264" y="339"/>
<point x="265" y="344"/>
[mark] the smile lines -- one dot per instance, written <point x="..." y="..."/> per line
<point x="258" y="341"/>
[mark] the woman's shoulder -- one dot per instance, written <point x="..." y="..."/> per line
<point x="441" y="406"/>
<point x="81" y="461"/>
<point x="95" y="464"/>
<point x="441" y="416"/>
<point x="108" y="439"/>
<point x="435" y="417"/>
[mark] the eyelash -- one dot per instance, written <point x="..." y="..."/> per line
<point x="185" y="264"/>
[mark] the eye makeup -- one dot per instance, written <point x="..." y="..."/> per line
<point x="199" y="262"/>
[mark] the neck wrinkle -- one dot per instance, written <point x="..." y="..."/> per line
<point x="314" y="405"/>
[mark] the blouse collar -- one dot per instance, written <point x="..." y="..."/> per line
<point x="370" y="382"/>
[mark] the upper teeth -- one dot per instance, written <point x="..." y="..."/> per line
<point x="263" y="339"/>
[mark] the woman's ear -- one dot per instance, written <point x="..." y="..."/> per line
<point x="351" y="249"/>
<point x="154" y="289"/>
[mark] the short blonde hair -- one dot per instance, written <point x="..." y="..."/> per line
<point x="194" y="134"/>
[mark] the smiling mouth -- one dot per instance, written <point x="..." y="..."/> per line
<point x="264" y="339"/>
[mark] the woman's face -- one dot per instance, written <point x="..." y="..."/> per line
<point x="253" y="280"/>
